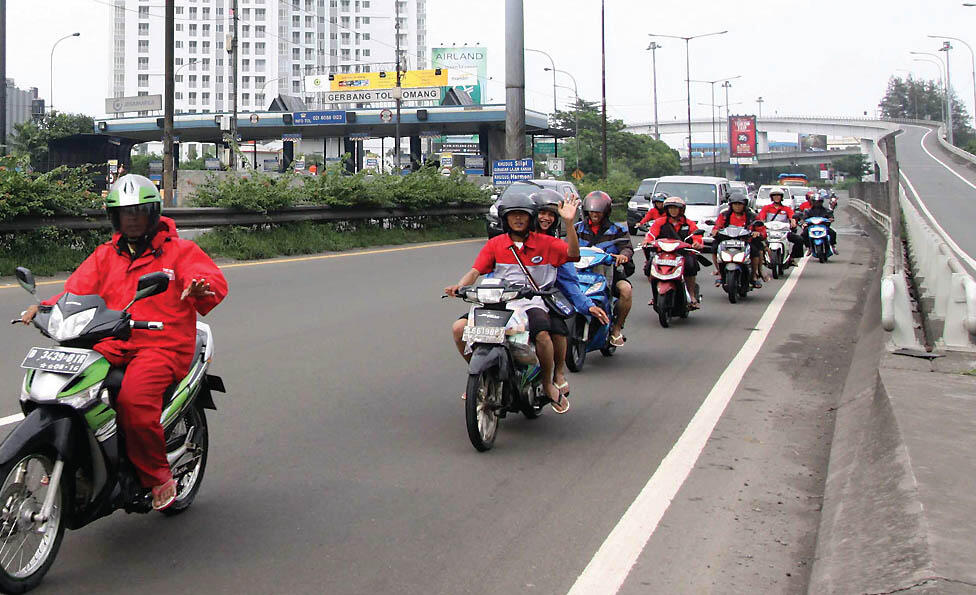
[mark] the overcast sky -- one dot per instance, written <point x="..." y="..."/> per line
<point x="802" y="56"/>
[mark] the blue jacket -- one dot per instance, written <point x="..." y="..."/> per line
<point x="613" y="238"/>
<point x="567" y="281"/>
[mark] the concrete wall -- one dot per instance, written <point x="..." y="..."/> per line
<point x="873" y="193"/>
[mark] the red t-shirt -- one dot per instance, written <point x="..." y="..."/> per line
<point x="541" y="254"/>
<point x="652" y="215"/>
<point x="770" y="211"/>
<point x="681" y="225"/>
<point x="737" y="219"/>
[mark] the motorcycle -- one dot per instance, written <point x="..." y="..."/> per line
<point x="734" y="256"/>
<point x="504" y="374"/>
<point x="668" y="288"/>
<point x="819" y="237"/>
<point x="833" y="200"/>
<point x="586" y="334"/>
<point x="64" y="465"/>
<point x="780" y="246"/>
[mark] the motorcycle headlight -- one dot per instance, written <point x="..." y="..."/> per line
<point x="84" y="398"/>
<point x="61" y="328"/>
<point x="740" y="257"/>
<point x="596" y="288"/>
<point x="633" y="204"/>
<point x="490" y="295"/>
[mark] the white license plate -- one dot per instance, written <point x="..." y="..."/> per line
<point x="673" y="262"/>
<point x="734" y="244"/>
<point x="484" y="334"/>
<point x="54" y="360"/>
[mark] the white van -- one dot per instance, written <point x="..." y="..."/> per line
<point x="703" y="195"/>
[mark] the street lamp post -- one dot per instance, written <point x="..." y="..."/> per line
<point x="972" y="56"/>
<point x="941" y="80"/>
<point x="759" y="101"/>
<point x="712" y="84"/>
<point x="553" y="69"/>
<point x="944" y="75"/>
<point x="727" y="85"/>
<point x="946" y="46"/>
<point x="687" y="41"/>
<point x="654" y="47"/>
<point x="576" y="93"/>
<point x="51" y="95"/>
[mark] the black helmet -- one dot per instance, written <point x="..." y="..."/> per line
<point x="548" y="200"/>
<point x="660" y="197"/>
<point x="517" y="202"/>
<point x="738" y="197"/>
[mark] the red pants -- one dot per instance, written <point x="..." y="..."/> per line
<point x="148" y="372"/>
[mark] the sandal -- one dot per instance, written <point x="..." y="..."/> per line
<point x="562" y="399"/>
<point x="164" y="495"/>
<point x="560" y="387"/>
<point x="694" y="306"/>
<point x="618" y="340"/>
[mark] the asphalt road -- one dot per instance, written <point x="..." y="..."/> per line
<point x="951" y="200"/>
<point x="340" y="464"/>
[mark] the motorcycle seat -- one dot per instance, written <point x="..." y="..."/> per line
<point x="113" y="382"/>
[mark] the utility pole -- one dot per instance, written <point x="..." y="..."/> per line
<point x="3" y="77"/>
<point x="514" y="80"/>
<point x="946" y="46"/>
<point x="727" y="85"/>
<point x="760" y="102"/>
<point x="398" y="91"/>
<point x="654" y="47"/>
<point x="603" y="78"/>
<point x="233" y="86"/>
<point x="168" y="89"/>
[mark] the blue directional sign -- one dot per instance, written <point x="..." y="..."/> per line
<point x="323" y="117"/>
<point x="506" y="171"/>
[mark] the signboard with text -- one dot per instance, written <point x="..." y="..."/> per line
<point x="322" y="117"/>
<point x="467" y="69"/>
<point x="507" y="171"/>
<point x="742" y="136"/>
<point x="141" y="103"/>
<point x="365" y="81"/>
<point x="377" y="95"/>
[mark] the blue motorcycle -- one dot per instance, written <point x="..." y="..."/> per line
<point x="586" y="333"/>
<point x="819" y="235"/>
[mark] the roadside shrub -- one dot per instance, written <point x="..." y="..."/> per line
<point x="253" y="192"/>
<point x="48" y="250"/>
<point x="62" y="191"/>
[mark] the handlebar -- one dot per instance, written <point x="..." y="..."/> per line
<point x="145" y="325"/>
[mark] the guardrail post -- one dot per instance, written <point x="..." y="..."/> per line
<point x="960" y="320"/>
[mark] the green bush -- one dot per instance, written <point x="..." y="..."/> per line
<point x="48" y="250"/>
<point x="258" y="192"/>
<point x="62" y="191"/>
<point x="620" y="186"/>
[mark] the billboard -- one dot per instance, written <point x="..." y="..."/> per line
<point x="467" y="69"/>
<point x="813" y="143"/>
<point x="742" y="136"/>
<point x="368" y="81"/>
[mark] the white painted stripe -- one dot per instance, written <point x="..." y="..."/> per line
<point x="935" y="224"/>
<point x="11" y="419"/>
<point x="611" y="564"/>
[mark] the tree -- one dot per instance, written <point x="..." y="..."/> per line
<point x="31" y="138"/>
<point x="638" y="155"/>
<point x="853" y="165"/>
<point x="916" y="99"/>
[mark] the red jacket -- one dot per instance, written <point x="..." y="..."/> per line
<point x="111" y="273"/>
<point x="770" y="211"/>
<point x="740" y="220"/>
<point x="681" y="225"/>
<point x="652" y="215"/>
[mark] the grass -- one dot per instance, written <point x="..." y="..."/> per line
<point x="47" y="252"/>
<point x="253" y="243"/>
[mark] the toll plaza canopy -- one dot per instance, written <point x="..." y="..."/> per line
<point x="488" y="121"/>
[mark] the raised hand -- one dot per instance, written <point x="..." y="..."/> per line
<point x="197" y="288"/>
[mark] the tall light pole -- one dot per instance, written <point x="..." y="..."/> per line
<point x="946" y="113"/>
<point x="3" y="77"/>
<point x="654" y="47"/>
<point x="941" y="79"/>
<point x="397" y="92"/>
<point x="51" y="95"/>
<point x="514" y="80"/>
<point x="759" y="100"/>
<point x="576" y="93"/>
<point x="946" y="46"/>
<point x="687" y="41"/>
<point x="232" y="49"/>
<point x="972" y="57"/>
<point x="603" y="79"/>
<point x="727" y="85"/>
<point x="553" y="69"/>
<point x="712" y="84"/>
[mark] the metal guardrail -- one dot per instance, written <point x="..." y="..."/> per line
<point x="896" y="305"/>
<point x="188" y="218"/>
<point x="940" y="134"/>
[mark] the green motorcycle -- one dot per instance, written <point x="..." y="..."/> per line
<point x="64" y="465"/>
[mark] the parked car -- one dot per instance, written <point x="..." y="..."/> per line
<point x="703" y="195"/>
<point x="526" y="187"/>
<point x="640" y="203"/>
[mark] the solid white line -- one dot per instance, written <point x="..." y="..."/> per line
<point x="921" y="203"/>
<point x="611" y="564"/>
<point x="11" y="419"/>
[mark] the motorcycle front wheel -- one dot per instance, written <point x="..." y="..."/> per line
<point x="484" y="396"/>
<point x="822" y="252"/>
<point x="188" y="471"/>
<point x="576" y="348"/>
<point x="27" y="547"/>
<point x="776" y="265"/>
<point x="665" y="304"/>
<point x="732" y="285"/>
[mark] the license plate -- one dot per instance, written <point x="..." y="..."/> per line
<point x="673" y="262"/>
<point x="54" y="360"/>
<point x="734" y="244"/>
<point x="484" y="334"/>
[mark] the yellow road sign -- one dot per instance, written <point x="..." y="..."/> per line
<point x="364" y="81"/>
<point x="578" y="175"/>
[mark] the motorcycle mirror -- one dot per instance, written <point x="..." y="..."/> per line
<point x="26" y="280"/>
<point x="709" y="222"/>
<point x="149" y="285"/>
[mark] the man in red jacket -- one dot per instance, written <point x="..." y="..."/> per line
<point x="739" y="215"/>
<point x="144" y="242"/>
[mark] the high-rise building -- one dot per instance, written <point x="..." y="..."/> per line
<point x="280" y="41"/>
<point x="21" y="106"/>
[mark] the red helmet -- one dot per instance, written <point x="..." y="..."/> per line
<point x="598" y="200"/>
<point x="811" y="194"/>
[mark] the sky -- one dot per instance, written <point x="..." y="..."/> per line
<point x="804" y="57"/>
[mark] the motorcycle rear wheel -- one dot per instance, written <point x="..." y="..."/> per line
<point x="576" y="348"/>
<point x="822" y="253"/>
<point x="23" y="491"/>
<point x="188" y="480"/>
<point x="484" y="395"/>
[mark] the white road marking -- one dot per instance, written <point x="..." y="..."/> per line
<point x="611" y="564"/>
<point x="918" y="197"/>
<point x="11" y="419"/>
